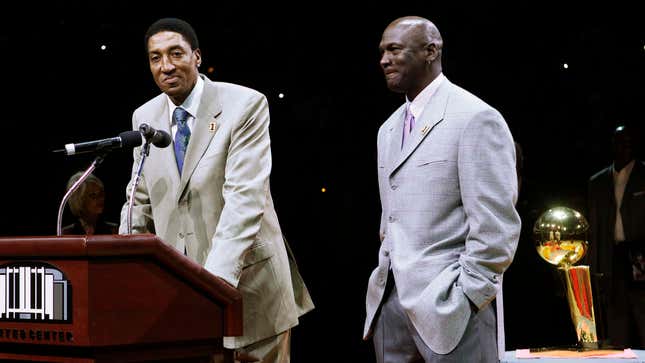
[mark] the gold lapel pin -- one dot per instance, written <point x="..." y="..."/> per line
<point x="212" y="126"/>
<point x="424" y="130"/>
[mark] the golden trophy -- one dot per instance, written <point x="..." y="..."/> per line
<point x="561" y="240"/>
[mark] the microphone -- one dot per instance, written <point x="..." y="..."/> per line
<point x="158" y="138"/>
<point x="126" y="140"/>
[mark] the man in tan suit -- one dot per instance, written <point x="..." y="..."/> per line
<point x="449" y="229"/>
<point x="208" y="195"/>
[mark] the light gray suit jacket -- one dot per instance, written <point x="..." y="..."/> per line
<point x="449" y="219"/>
<point x="221" y="205"/>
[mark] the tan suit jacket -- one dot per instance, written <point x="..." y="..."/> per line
<point x="220" y="207"/>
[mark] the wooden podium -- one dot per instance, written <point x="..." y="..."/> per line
<point x="110" y="299"/>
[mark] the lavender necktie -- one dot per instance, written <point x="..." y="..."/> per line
<point x="408" y="125"/>
<point x="182" y="136"/>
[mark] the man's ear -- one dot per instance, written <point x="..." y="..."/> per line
<point x="433" y="52"/>
<point x="198" y="55"/>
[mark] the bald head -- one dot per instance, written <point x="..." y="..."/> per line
<point x="410" y="54"/>
<point x="420" y="30"/>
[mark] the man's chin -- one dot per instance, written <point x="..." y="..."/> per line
<point x="171" y="91"/>
<point x="395" y="87"/>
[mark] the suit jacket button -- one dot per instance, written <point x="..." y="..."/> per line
<point x="181" y="235"/>
<point x="391" y="219"/>
<point x="394" y="187"/>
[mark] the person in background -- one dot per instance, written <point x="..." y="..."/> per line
<point x="87" y="204"/>
<point x="616" y="203"/>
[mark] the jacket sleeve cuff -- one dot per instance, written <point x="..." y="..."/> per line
<point x="231" y="274"/>
<point x="477" y="289"/>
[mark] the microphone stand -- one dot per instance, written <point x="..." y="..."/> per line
<point x="145" y="150"/>
<point x="97" y="161"/>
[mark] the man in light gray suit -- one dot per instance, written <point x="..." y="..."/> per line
<point x="449" y="229"/>
<point x="209" y="196"/>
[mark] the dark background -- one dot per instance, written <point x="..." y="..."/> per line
<point x="60" y="87"/>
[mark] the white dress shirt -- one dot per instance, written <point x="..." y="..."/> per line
<point x="419" y="103"/>
<point x="620" y="182"/>
<point x="191" y="104"/>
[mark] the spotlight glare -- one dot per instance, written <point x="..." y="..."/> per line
<point x="280" y="95"/>
<point x="323" y="189"/>
<point x="103" y="47"/>
<point x="566" y="66"/>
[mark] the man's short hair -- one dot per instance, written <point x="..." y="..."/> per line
<point x="173" y="25"/>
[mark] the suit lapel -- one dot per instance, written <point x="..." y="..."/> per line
<point x="432" y="114"/>
<point x="633" y="182"/>
<point x="209" y="108"/>
<point x="160" y="121"/>
<point x="395" y="134"/>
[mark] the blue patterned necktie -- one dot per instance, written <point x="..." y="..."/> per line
<point x="180" y="116"/>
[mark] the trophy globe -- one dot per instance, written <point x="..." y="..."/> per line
<point x="561" y="236"/>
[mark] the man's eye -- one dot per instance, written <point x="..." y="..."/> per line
<point x="176" y="54"/>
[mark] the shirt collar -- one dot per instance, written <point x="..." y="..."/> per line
<point x="626" y="170"/>
<point x="417" y="105"/>
<point x="191" y="103"/>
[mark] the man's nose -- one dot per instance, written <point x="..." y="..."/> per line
<point x="385" y="60"/>
<point x="167" y="65"/>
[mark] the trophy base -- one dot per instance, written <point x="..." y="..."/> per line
<point x="582" y="347"/>
<point x="603" y="351"/>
